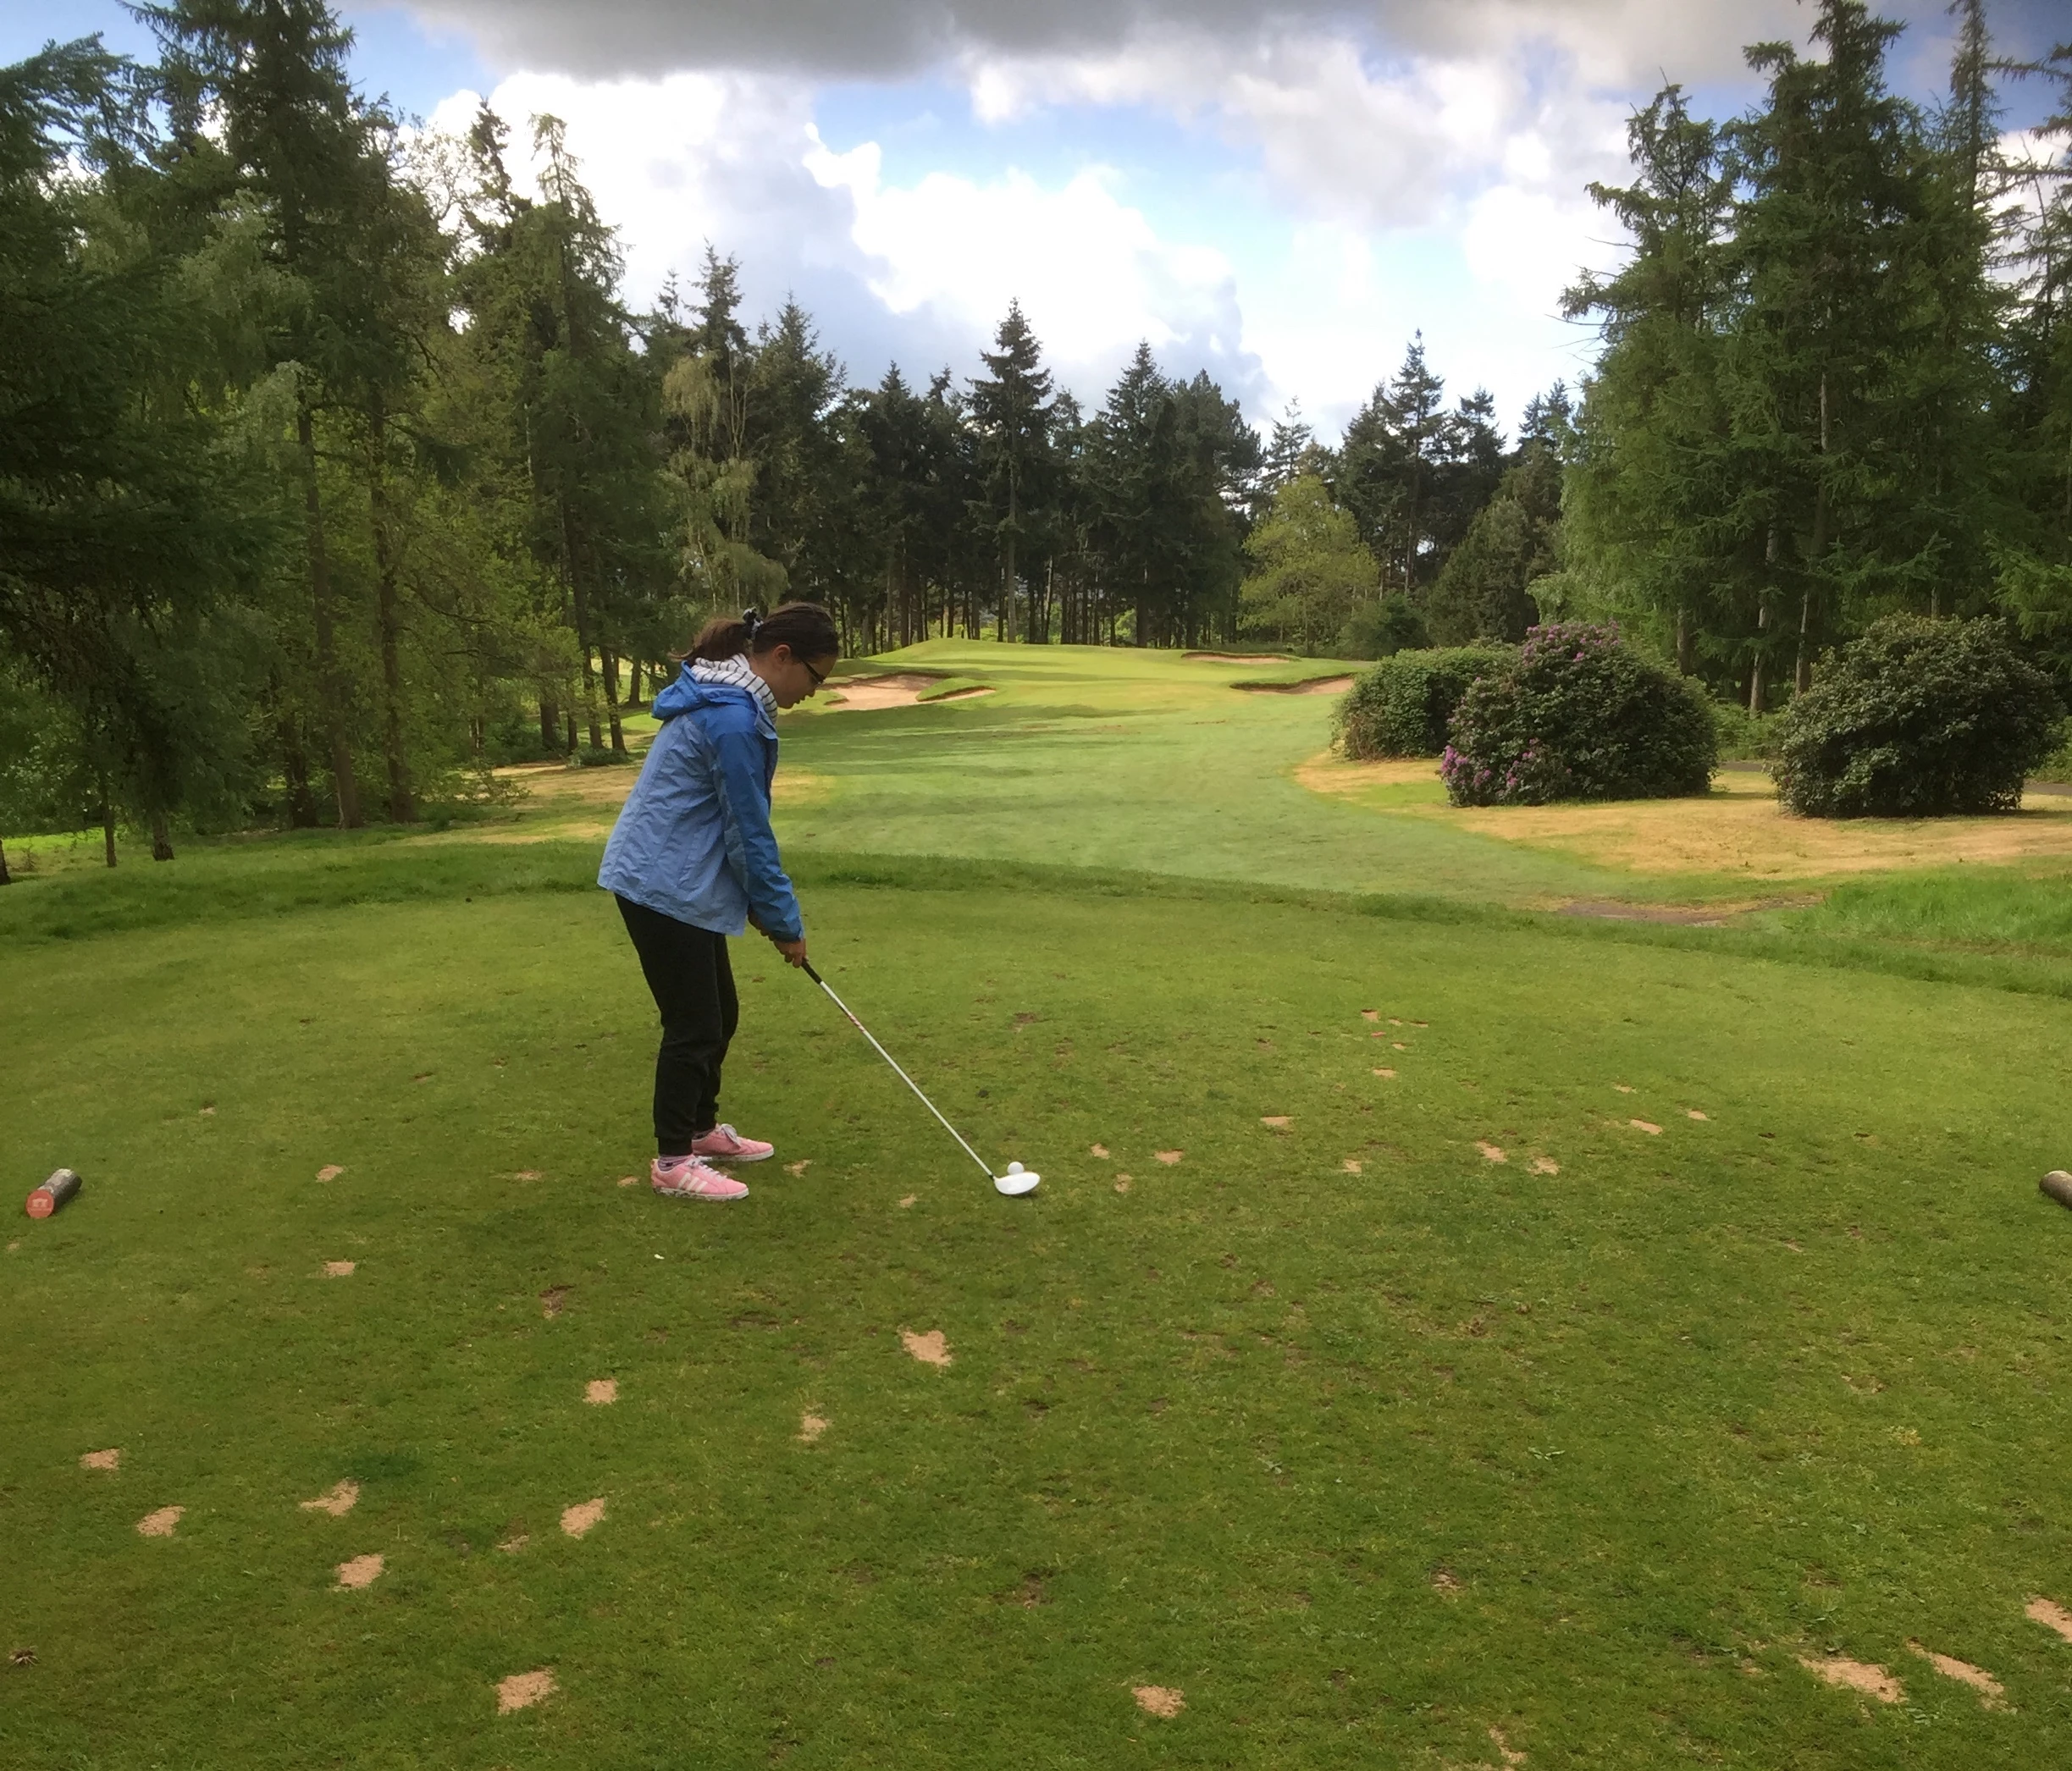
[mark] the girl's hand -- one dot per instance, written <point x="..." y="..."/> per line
<point x="794" y="952"/>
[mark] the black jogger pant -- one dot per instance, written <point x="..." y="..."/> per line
<point x="694" y="986"/>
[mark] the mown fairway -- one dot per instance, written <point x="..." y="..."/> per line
<point x="1680" y="1312"/>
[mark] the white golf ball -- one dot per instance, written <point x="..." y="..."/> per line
<point x="1014" y="1168"/>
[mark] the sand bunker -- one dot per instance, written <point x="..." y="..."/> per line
<point x="522" y="1691"/>
<point x="161" y="1523"/>
<point x="2051" y="1614"/>
<point x="1492" y="1152"/>
<point x="361" y="1571"/>
<point x="330" y="1173"/>
<point x="904" y="688"/>
<point x="1169" y="1156"/>
<point x="930" y="1349"/>
<point x="339" y="1269"/>
<point x="810" y="1428"/>
<point x="1991" y="1693"/>
<point x="341" y="1501"/>
<point x="1159" y="1700"/>
<point x="1314" y="686"/>
<point x="601" y="1392"/>
<point x="1855" y="1675"/>
<point x="583" y="1517"/>
<point x="101" y="1459"/>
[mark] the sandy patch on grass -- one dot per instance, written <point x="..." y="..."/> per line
<point x="361" y="1571"/>
<point x="1098" y="1149"/>
<point x="1170" y="1157"/>
<point x="1385" y="1072"/>
<point x="1624" y="1088"/>
<point x="1277" y="1121"/>
<point x="527" y="1174"/>
<point x="522" y="1691"/>
<point x="601" y="1392"/>
<point x="2051" y="1614"/>
<point x="1370" y="1014"/>
<point x="1159" y="1700"/>
<point x="1350" y="1166"/>
<point x="907" y="1203"/>
<point x="101" y="1459"/>
<point x="330" y="1173"/>
<point x="1122" y="1183"/>
<point x="511" y="1546"/>
<point x="1855" y="1675"/>
<point x="1313" y="686"/>
<point x="810" y="1428"/>
<point x="1509" y="1754"/>
<point x="861" y="694"/>
<point x="796" y="1169"/>
<point x="582" y="1517"/>
<point x="930" y="1349"/>
<point x="161" y="1523"/>
<point x="341" y="1501"/>
<point x="1492" y="1153"/>
<point x="1445" y="1582"/>
<point x="1991" y="1693"/>
<point x="1693" y="1113"/>
<point x="554" y="1300"/>
<point x="629" y="1180"/>
<point x="1545" y="1164"/>
<point x="339" y="1269"/>
<point x="1646" y="1125"/>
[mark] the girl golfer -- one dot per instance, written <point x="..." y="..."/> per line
<point x="692" y="861"/>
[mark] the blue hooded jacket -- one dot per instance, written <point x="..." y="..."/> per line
<point x="694" y="838"/>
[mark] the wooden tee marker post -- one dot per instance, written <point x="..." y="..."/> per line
<point x="61" y="1187"/>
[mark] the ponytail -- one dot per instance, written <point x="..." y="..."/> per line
<point x="806" y="627"/>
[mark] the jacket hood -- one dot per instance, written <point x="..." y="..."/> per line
<point x="687" y="693"/>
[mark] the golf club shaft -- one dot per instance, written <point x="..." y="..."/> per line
<point x="900" y="1074"/>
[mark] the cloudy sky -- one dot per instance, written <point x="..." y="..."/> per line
<point x="1280" y="194"/>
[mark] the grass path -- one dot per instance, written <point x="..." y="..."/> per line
<point x="1501" y="1405"/>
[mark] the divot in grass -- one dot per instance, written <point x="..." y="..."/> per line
<point x="907" y="1203"/>
<point x="161" y="1523"/>
<point x="1693" y="1113"/>
<point x="629" y="1180"/>
<point x="1509" y="1754"/>
<point x="1646" y="1125"/>
<point x="810" y="1428"/>
<point x="522" y="1691"/>
<point x="601" y="1392"/>
<point x="1170" y="1157"/>
<point x="1623" y="1088"/>
<point x="1491" y="1153"/>
<point x="2051" y="1614"/>
<point x="101" y="1459"/>
<point x="1992" y="1695"/>
<point x="1277" y="1122"/>
<point x="339" y="1269"/>
<point x="341" y="1501"/>
<point x="1545" y="1164"/>
<point x="1098" y="1149"/>
<point x="1855" y="1675"/>
<point x="580" y="1519"/>
<point x="1390" y="1074"/>
<point x="511" y="1546"/>
<point x="930" y="1348"/>
<point x="361" y="1571"/>
<point x="330" y="1173"/>
<point x="797" y="1168"/>
<point x="1163" y="1701"/>
<point x="554" y="1297"/>
<point x="1350" y="1166"/>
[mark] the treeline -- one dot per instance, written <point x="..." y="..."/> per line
<point x="1837" y="379"/>
<point x="333" y="467"/>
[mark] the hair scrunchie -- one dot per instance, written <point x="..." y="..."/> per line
<point x="751" y="619"/>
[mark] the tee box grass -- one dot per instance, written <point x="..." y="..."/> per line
<point x="1443" y="1334"/>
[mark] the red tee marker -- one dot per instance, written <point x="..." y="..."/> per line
<point x="52" y="1193"/>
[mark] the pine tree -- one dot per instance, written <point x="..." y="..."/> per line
<point x="1010" y="408"/>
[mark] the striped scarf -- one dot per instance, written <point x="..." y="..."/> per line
<point x="735" y="670"/>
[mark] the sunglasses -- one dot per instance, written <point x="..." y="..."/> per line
<point x="819" y="680"/>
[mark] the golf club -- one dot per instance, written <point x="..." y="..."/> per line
<point x="1014" y="1182"/>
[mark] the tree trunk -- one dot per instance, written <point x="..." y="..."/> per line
<point x="331" y="682"/>
<point x="549" y="722"/>
<point x="402" y="798"/>
<point x="6" y="878"/>
<point x="161" y="836"/>
<point x="571" y="750"/>
<point x="1802" y="677"/>
<point x="1683" y="642"/>
<point x="107" y="826"/>
<point x="610" y="663"/>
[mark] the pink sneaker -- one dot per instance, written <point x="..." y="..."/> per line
<point x="687" y="1178"/>
<point x="723" y="1144"/>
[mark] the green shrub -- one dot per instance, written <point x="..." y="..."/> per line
<point x="1744" y="736"/>
<point x="1579" y="715"/>
<point x="1402" y="706"/>
<point x="1917" y="719"/>
<point x="1381" y="629"/>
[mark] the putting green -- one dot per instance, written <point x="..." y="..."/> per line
<point x="1501" y="1405"/>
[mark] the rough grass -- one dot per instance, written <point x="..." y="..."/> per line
<point x="1362" y="1465"/>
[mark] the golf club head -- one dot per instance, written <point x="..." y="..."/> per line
<point x="1016" y="1181"/>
